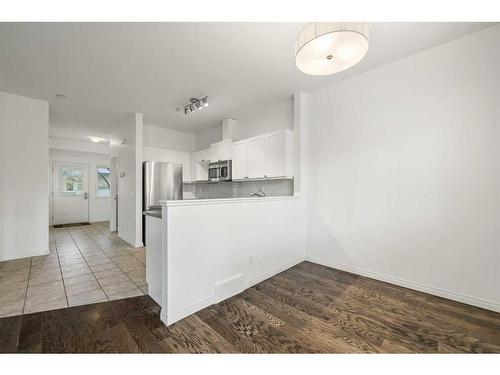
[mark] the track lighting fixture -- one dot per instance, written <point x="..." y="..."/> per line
<point x="199" y="103"/>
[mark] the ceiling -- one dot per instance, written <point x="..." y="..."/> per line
<point x="110" y="70"/>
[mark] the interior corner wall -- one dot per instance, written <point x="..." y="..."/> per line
<point x="24" y="177"/>
<point x="126" y="144"/>
<point x="403" y="171"/>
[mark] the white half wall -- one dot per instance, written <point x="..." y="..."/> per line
<point x="99" y="207"/>
<point x="126" y="143"/>
<point x="24" y="177"/>
<point x="238" y="243"/>
<point x="403" y="171"/>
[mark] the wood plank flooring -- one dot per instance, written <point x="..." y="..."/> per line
<point x="306" y="309"/>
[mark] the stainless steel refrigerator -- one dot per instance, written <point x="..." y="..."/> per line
<point x="160" y="181"/>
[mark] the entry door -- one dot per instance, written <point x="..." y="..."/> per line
<point x="70" y="193"/>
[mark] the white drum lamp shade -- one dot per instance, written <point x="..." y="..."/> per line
<point x="324" y="48"/>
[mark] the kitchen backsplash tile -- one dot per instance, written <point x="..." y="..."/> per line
<point x="238" y="189"/>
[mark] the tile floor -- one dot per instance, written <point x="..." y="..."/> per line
<point x="85" y="265"/>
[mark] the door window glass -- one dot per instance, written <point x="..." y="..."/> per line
<point x="70" y="180"/>
<point x="103" y="182"/>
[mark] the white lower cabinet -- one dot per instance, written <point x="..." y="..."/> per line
<point x="264" y="156"/>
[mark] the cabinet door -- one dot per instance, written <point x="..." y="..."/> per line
<point x="168" y="156"/>
<point x="257" y="157"/>
<point x="276" y="155"/>
<point x="220" y="150"/>
<point x="240" y="160"/>
<point x="150" y="154"/>
<point x="185" y="159"/>
<point x="204" y="156"/>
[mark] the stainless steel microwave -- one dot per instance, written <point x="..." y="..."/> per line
<point x="220" y="171"/>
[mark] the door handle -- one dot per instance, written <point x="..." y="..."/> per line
<point x="85" y="196"/>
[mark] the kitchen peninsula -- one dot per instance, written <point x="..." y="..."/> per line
<point x="203" y="251"/>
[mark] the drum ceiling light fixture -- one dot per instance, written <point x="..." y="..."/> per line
<point x="324" y="48"/>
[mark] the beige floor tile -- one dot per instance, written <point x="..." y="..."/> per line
<point x="11" y="308"/>
<point x="137" y="273"/>
<point x="74" y="266"/>
<point x="73" y="270"/>
<point x="44" y="293"/>
<point x="13" y="277"/>
<point x="126" y="294"/>
<point x="53" y="304"/>
<point x="12" y="294"/>
<point x="99" y="268"/>
<point x="45" y="266"/>
<point x="78" y="279"/>
<point x="144" y="288"/>
<point x="119" y="287"/>
<point x="98" y="259"/>
<point x="72" y="260"/>
<point x="115" y="278"/>
<point x="44" y="276"/>
<point x="44" y="259"/>
<point x="89" y="297"/>
<point x="108" y="273"/>
<point x="78" y="288"/>
<point x="15" y="265"/>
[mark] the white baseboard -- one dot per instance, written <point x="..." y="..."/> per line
<point x="169" y="319"/>
<point x="274" y="271"/>
<point x="24" y="255"/>
<point x="174" y="317"/>
<point x="470" y="300"/>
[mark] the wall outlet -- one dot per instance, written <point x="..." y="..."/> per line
<point x="250" y="259"/>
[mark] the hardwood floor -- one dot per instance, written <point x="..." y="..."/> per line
<point x="306" y="309"/>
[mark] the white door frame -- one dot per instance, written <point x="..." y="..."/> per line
<point x="53" y="175"/>
<point x="113" y="217"/>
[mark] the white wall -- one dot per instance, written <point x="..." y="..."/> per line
<point x="78" y="145"/>
<point x="99" y="207"/>
<point x="24" y="176"/>
<point x="226" y="255"/>
<point x="126" y="142"/>
<point x="206" y="138"/>
<point x="404" y="171"/>
<point x="168" y="139"/>
<point x="278" y="116"/>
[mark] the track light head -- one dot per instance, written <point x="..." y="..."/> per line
<point x="198" y="102"/>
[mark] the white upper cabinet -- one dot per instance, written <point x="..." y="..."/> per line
<point x="221" y="150"/>
<point x="269" y="155"/>
<point x="257" y="157"/>
<point x="279" y="154"/>
<point x="240" y="160"/>
<point x="150" y="154"/>
<point x="167" y="156"/>
<point x="199" y="165"/>
<point x="170" y="156"/>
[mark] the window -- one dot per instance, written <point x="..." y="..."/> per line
<point x="70" y="180"/>
<point x="103" y="182"/>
